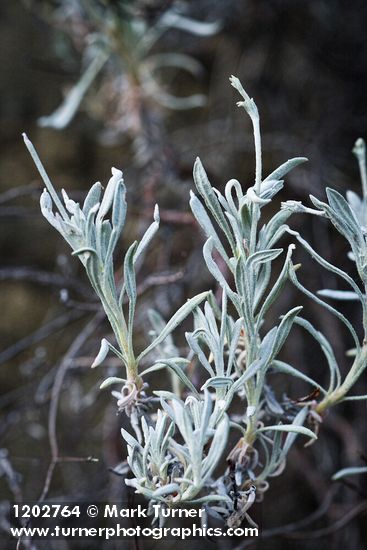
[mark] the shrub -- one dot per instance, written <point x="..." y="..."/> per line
<point x="180" y="452"/>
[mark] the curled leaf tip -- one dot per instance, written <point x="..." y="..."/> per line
<point x="116" y="172"/>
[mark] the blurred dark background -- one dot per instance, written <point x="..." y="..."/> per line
<point x="305" y="63"/>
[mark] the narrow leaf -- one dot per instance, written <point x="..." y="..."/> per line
<point x="284" y="329"/>
<point x="280" y="366"/>
<point x="349" y="472"/>
<point x="111" y="380"/>
<point x="206" y="191"/>
<point x="92" y="197"/>
<point x="173" y="323"/>
<point x="203" y="219"/>
<point x="289" y="428"/>
<point x="148" y="235"/>
<point x="283" y="169"/>
<point x="344" y="295"/>
<point x="102" y="354"/>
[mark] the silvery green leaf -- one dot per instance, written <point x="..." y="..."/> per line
<point x="129" y="273"/>
<point x="340" y="316"/>
<point x="162" y="430"/>
<point x="354" y="202"/>
<point x="90" y="230"/>
<point x="111" y="380"/>
<point x="148" y="235"/>
<point x="245" y="282"/>
<point x="205" y="416"/>
<point x="167" y="395"/>
<point x="130" y="440"/>
<point x="275" y="455"/>
<point x="167" y="348"/>
<point x="145" y="455"/>
<point x="206" y="191"/>
<point x="106" y="231"/>
<point x="142" y="490"/>
<point x="283" y="169"/>
<point x="69" y="228"/>
<point x="209" y="315"/>
<point x="245" y="219"/>
<point x="46" y="209"/>
<point x="277" y="235"/>
<point x="277" y="287"/>
<point x="217" y="274"/>
<point x="327" y="265"/>
<point x="108" y="274"/>
<point x="214" y="305"/>
<point x="92" y="197"/>
<point x="177" y="318"/>
<point x="228" y="191"/>
<point x="289" y="428"/>
<point x="298" y="420"/>
<point x="184" y="423"/>
<point x="164" y="442"/>
<point x="224" y="322"/>
<point x="262" y="256"/>
<point x="195" y="346"/>
<point x="217" y="382"/>
<point x="176" y="364"/>
<point x="319" y="204"/>
<point x="130" y="282"/>
<point x="167" y="408"/>
<point x="345" y="215"/>
<point x="249" y="373"/>
<point x="284" y="328"/>
<point x="46" y="201"/>
<point x="109" y="193"/>
<point x="200" y="321"/>
<point x="263" y="362"/>
<point x="280" y="366"/>
<point x="233" y="344"/>
<point x="211" y="498"/>
<point x="343" y="295"/>
<point x="325" y="347"/>
<point x="349" y="472"/>
<point x="268" y="344"/>
<point x="171" y="19"/>
<point x="102" y="354"/>
<point x="166" y="490"/>
<point x="274" y="224"/>
<point x="254" y="198"/>
<point x="269" y="188"/>
<point x="343" y="219"/>
<point x="203" y="219"/>
<point x="65" y="113"/>
<point x="272" y="403"/>
<point x="145" y="429"/>
<point x="44" y="176"/>
<point x="71" y="205"/>
<point x="119" y="207"/>
<point x="216" y="448"/>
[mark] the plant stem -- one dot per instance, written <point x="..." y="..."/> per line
<point x="339" y="393"/>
